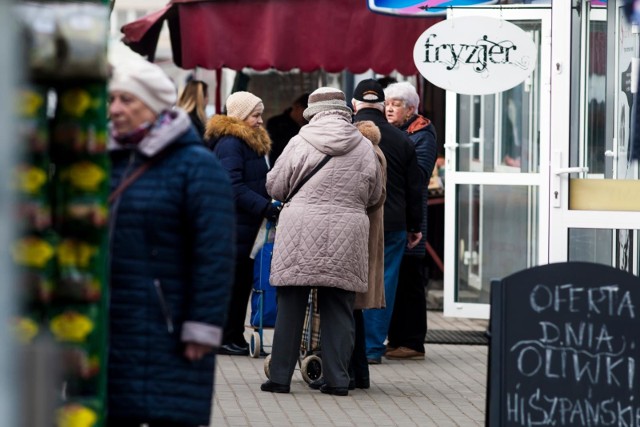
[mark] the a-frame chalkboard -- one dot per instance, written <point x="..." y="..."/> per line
<point x="565" y="347"/>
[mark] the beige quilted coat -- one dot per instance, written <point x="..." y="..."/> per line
<point x="323" y="232"/>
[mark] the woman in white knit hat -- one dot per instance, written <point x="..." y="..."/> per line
<point x="242" y="145"/>
<point x="170" y="265"/>
<point x="322" y="238"/>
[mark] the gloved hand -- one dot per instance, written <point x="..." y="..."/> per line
<point x="273" y="211"/>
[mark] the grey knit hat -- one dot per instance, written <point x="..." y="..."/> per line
<point x="325" y="99"/>
<point x="241" y="104"/>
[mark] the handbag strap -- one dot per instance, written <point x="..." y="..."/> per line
<point x="134" y="176"/>
<point x="308" y="177"/>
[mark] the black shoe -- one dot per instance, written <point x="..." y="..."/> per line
<point x="336" y="391"/>
<point x="233" y="350"/>
<point x="272" y="387"/>
<point x="316" y="384"/>
<point x="241" y="344"/>
<point x="362" y="383"/>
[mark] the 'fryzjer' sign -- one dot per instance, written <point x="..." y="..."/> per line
<point x="475" y="55"/>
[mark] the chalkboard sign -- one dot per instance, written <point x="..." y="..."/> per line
<point x="565" y="347"/>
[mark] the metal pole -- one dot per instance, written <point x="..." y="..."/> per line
<point x="9" y="70"/>
<point x="610" y="127"/>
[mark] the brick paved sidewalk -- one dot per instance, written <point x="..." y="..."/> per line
<point x="446" y="389"/>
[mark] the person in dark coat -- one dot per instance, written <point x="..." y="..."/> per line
<point x="171" y="267"/>
<point x="286" y="125"/>
<point x="402" y="207"/>
<point x="242" y="145"/>
<point x="408" y="328"/>
<point x="194" y="101"/>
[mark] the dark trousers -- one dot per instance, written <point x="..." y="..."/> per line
<point x="336" y="332"/>
<point x="242" y="285"/>
<point x="409" y="319"/>
<point x="129" y="423"/>
<point x="359" y="366"/>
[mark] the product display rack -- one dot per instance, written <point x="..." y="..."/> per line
<point x="62" y="184"/>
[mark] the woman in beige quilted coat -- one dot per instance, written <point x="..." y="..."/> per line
<point x="322" y="237"/>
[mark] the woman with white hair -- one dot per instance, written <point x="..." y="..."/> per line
<point x="322" y="237"/>
<point x="170" y="266"/>
<point x="408" y="326"/>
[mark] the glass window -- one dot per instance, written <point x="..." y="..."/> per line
<point x="500" y="133"/>
<point x="596" y="93"/>
<point x="497" y="230"/>
<point x="616" y="248"/>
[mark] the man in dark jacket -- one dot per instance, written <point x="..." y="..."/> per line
<point x="402" y="208"/>
<point x="285" y="126"/>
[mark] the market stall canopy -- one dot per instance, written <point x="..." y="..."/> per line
<point x="332" y="35"/>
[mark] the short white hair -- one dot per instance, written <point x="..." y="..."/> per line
<point x="404" y="91"/>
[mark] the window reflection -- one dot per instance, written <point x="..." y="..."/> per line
<point x="596" y="92"/>
<point x="615" y="248"/>
<point x="511" y="143"/>
<point x="497" y="235"/>
<point x="500" y="132"/>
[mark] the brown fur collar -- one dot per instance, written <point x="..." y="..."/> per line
<point x="256" y="138"/>
<point x="370" y="131"/>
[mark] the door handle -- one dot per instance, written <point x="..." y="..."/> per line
<point x="577" y="169"/>
<point x="557" y="178"/>
<point x="454" y="145"/>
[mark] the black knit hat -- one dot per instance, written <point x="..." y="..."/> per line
<point x="369" y="90"/>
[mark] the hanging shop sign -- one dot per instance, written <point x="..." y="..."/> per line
<point x="422" y="7"/>
<point x="475" y="55"/>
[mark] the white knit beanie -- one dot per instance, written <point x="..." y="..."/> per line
<point x="147" y="82"/>
<point x="241" y="104"/>
<point x="325" y="99"/>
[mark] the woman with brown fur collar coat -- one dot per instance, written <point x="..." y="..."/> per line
<point x="242" y="145"/>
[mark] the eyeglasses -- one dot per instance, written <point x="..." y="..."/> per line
<point x="395" y="103"/>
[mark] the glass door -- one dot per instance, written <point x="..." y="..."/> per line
<point x="596" y="216"/>
<point x="496" y="184"/>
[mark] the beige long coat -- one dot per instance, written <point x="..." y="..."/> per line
<point x="323" y="232"/>
<point x="374" y="297"/>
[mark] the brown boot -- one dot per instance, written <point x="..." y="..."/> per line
<point x="404" y="353"/>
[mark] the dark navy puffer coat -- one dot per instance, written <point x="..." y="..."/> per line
<point x="423" y="135"/>
<point x="171" y="275"/>
<point x="242" y="150"/>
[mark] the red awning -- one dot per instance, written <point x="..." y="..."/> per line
<point x="283" y="34"/>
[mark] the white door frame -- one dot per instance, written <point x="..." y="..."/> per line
<point x="454" y="178"/>
<point x="562" y="219"/>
